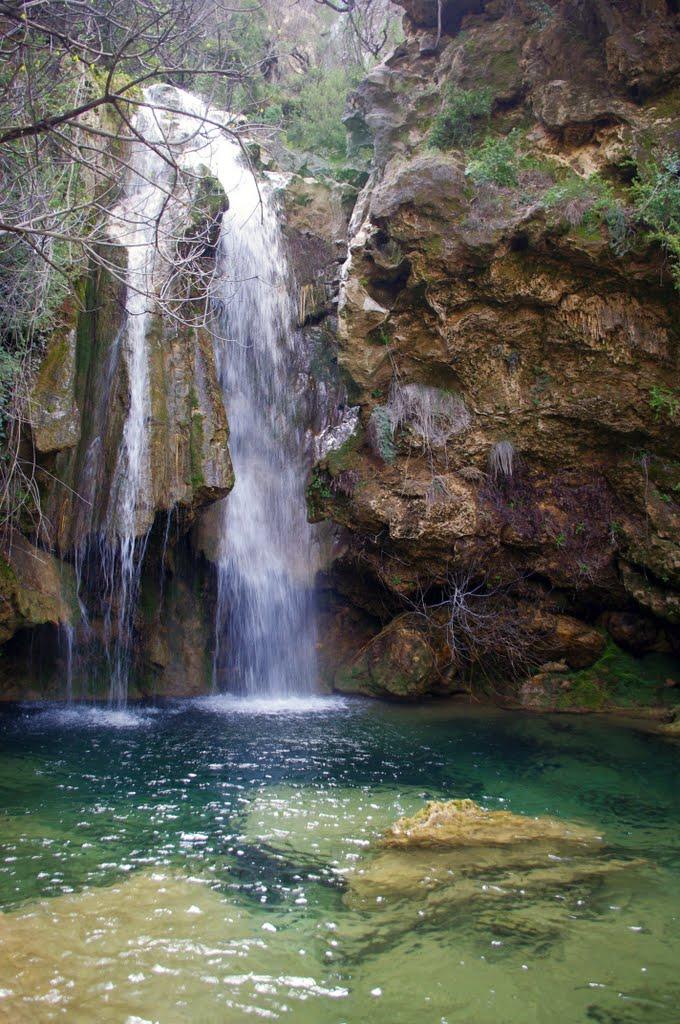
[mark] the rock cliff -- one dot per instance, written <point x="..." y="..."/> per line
<point x="509" y="333"/>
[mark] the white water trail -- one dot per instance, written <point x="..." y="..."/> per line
<point x="265" y="628"/>
<point x="265" y="640"/>
<point x="137" y="222"/>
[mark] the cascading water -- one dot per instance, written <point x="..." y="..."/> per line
<point x="127" y="519"/>
<point x="114" y="543"/>
<point x="265" y="628"/>
<point x="265" y="624"/>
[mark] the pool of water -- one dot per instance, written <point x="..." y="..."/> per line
<point x="215" y="861"/>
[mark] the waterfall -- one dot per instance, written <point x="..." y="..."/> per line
<point x="264" y="624"/>
<point x="265" y="628"/>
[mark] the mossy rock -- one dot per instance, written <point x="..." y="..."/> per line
<point x="399" y="663"/>
<point x="617" y="680"/>
<point x="465" y="823"/>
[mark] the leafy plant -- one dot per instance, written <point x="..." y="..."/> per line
<point x="383" y="337"/>
<point x="664" y="401"/>
<point x="656" y="197"/>
<point x="318" y="492"/>
<point x="380" y="434"/>
<point x="314" y="116"/>
<point x="496" y="161"/>
<point x="589" y="202"/>
<point x="464" y="111"/>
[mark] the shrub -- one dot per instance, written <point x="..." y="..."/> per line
<point x="496" y="161"/>
<point x="664" y="402"/>
<point x="380" y="434"/>
<point x="464" y="110"/>
<point x="315" y="117"/>
<point x="589" y="202"/>
<point x="478" y="620"/>
<point x="656" y="198"/>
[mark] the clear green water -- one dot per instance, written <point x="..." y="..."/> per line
<point x="208" y="863"/>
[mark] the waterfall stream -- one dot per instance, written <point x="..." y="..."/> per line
<point x="264" y="625"/>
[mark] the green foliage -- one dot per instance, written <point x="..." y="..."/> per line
<point x="314" y="116"/>
<point x="318" y="493"/>
<point x="382" y="337"/>
<point x="496" y="161"/>
<point x="656" y="197"/>
<point x="588" y="203"/>
<point x="464" y="111"/>
<point x="381" y="434"/>
<point x="541" y="11"/>
<point x="664" y="401"/>
<point x="10" y="364"/>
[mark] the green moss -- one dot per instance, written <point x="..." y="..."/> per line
<point x="584" y="693"/>
<point x="195" y="442"/>
<point x="345" y="457"/>
<point x="619" y="680"/>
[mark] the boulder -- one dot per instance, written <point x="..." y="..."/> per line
<point x="35" y="587"/>
<point x="455" y="823"/>
<point x="400" y="662"/>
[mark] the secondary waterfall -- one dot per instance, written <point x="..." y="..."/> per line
<point x="140" y="227"/>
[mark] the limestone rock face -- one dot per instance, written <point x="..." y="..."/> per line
<point x="35" y="588"/>
<point x="552" y="331"/>
<point x="188" y="432"/>
<point x="54" y="416"/>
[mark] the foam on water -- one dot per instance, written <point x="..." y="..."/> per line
<point x="85" y="716"/>
<point x="228" y="704"/>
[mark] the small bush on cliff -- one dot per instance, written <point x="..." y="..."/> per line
<point x="656" y="195"/>
<point x="432" y="415"/>
<point x="314" y="116"/>
<point x="589" y="202"/>
<point x="464" y="111"/>
<point x="380" y="434"/>
<point x="664" y="402"/>
<point x="496" y="161"/>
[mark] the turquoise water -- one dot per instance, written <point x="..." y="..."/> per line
<point x="216" y="861"/>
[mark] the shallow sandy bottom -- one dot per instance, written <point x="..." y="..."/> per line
<point x="226" y="868"/>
